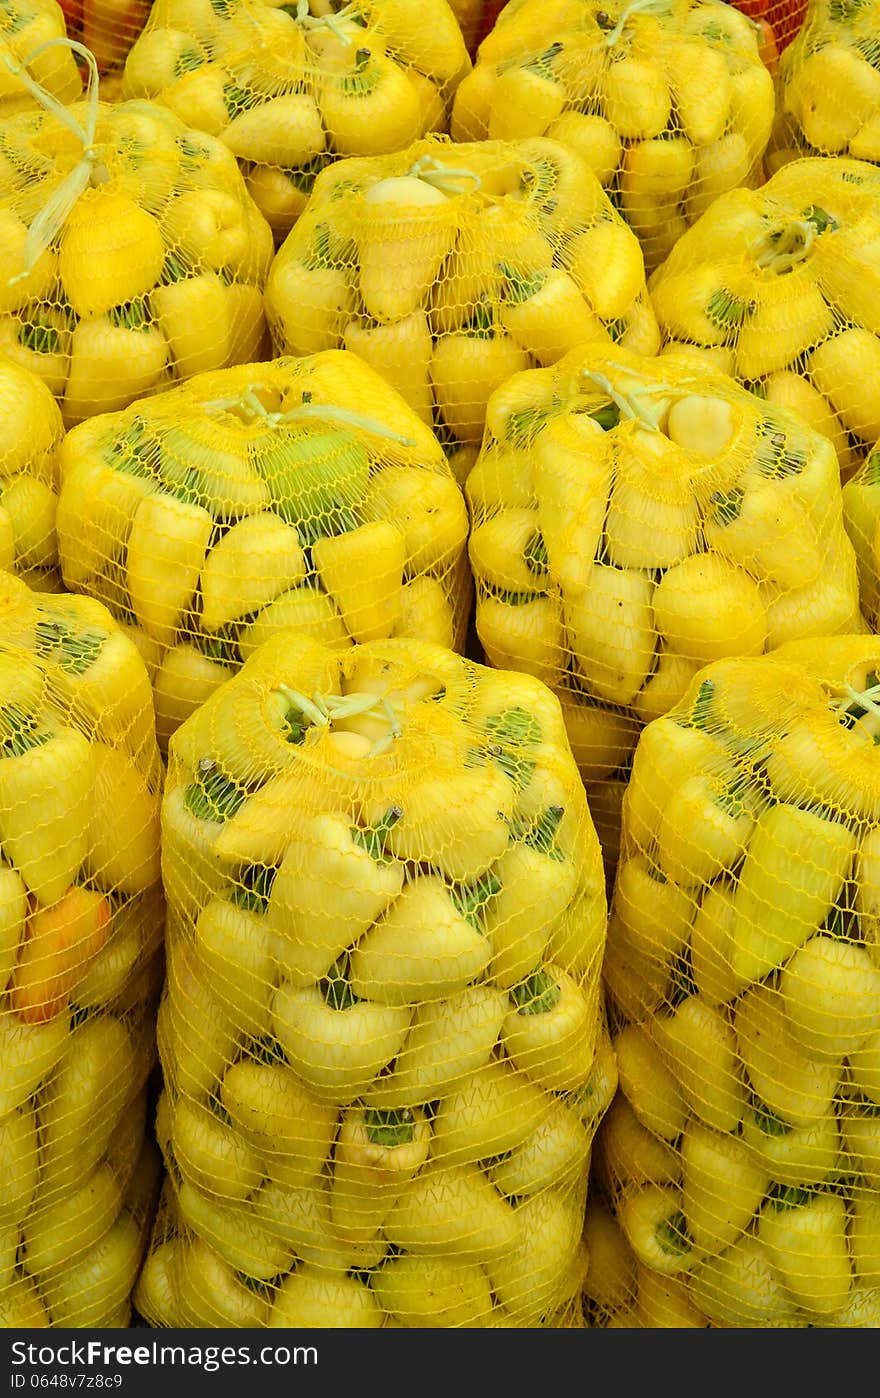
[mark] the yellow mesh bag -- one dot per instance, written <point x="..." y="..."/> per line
<point x="633" y="519"/>
<point x="738" y="1168"/>
<point x="32" y="435"/>
<point x="81" y="929"/>
<point x="25" y="27"/>
<point x="296" y="492"/>
<point x="829" y="85"/>
<point x="382" y="1028"/>
<point x="667" y="101"/>
<point x="132" y="255"/>
<point x="451" y="266"/>
<point x="781" y="288"/>
<point x="291" y="89"/>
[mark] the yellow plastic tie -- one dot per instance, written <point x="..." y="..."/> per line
<point x="614" y="34"/>
<point x="88" y="170"/>
<point x="325" y="709"/>
<point x="249" y="402"/>
<point x="443" y="177"/>
<point x="787" y="250"/>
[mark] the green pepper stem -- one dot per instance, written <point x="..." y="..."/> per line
<point x="394" y="1126"/>
<point x="538" y="994"/>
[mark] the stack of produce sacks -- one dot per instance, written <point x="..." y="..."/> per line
<point x="81" y="929"/>
<point x="291" y="88"/>
<point x="381" y="1033"/>
<point x="295" y="492"/>
<point x="31" y="437"/>
<point x="668" y="101"/>
<point x="740" y="1162"/>
<point x="781" y="288"/>
<point x="635" y="518"/>
<point x="131" y="256"/>
<point x="31" y="37"/>
<point x="829" y="85"/>
<point x="450" y="267"/>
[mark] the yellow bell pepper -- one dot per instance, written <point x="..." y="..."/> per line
<point x="571" y="476"/>
<point x="433" y="1292"/>
<point x="290" y="1128"/>
<point x="111" y="252"/>
<point x="793" y="871"/>
<point x="799" y="1156"/>
<point x="700" y="1047"/>
<point x="256" y="559"/>
<point x="362" y="571"/>
<point x="123" y="824"/>
<point x="611" y="1276"/>
<point x="551" y="1030"/>
<point x="404" y="227"/>
<point x="612" y="630"/>
<point x="467" y="366"/>
<point x="114" y="358"/>
<point x="635" y="98"/>
<point x="185" y="679"/>
<point x="13" y="916"/>
<point x="377" y="1152"/>
<point x="211" y="1154"/>
<point x="196" y="1033"/>
<point x="652" y="1218"/>
<point x="336" y="1042"/>
<point x="831" y="993"/>
<point x="370" y="106"/>
<point x="311" y="1298"/>
<point x="94" y="1081"/>
<point x="334" y="882"/>
<point x="233" y="1235"/>
<point x="547" y="314"/>
<point x="547" y="1266"/>
<point x="447" y="1041"/>
<point x="626" y="1151"/>
<point x="704" y="827"/>
<point x="54" y="1236"/>
<point x="493" y="1111"/>
<point x="429" y="509"/>
<point x="451" y="1212"/>
<point x="538" y="883"/>
<point x="400" y="351"/>
<point x="424" y="946"/>
<point x="285" y="130"/>
<point x="193" y="313"/>
<point x="46" y="786"/>
<point x="793" y="1086"/>
<point x="655" y="914"/>
<point x="165" y="554"/>
<point x="309" y="298"/>
<point x="805" y="1239"/>
<point x="652" y="1090"/>
<point x="19" y="1156"/>
<point x="554" y="1156"/>
<point x="209" y="1293"/>
<point x="236" y="948"/>
<point x="722" y="1186"/>
<point x="30" y="1053"/>
<point x="742" y="1287"/>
